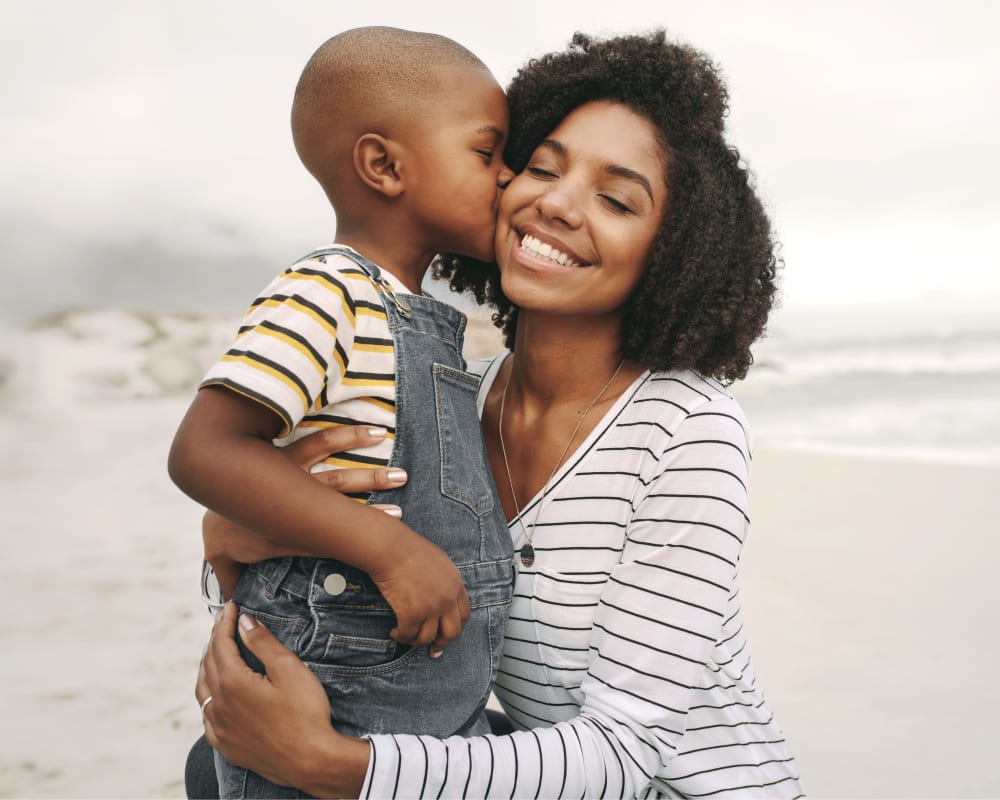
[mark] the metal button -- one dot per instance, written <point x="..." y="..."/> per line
<point x="335" y="583"/>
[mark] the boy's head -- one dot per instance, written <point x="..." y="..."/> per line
<point x="405" y="133"/>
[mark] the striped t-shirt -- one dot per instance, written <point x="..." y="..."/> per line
<point x="315" y="348"/>
<point x="625" y="668"/>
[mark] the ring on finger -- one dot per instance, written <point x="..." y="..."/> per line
<point x="204" y="703"/>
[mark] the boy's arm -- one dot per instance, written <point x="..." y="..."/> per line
<point x="223" y="457"/>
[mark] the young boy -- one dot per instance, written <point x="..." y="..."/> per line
<point x="404" y="132"/>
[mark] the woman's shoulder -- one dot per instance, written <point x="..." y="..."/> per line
<point x="683" y="398"/>
<point x="688" y="390"/>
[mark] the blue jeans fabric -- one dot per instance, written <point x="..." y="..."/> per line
<point x="333" y="616"/>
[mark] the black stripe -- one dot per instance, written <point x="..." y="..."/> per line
<point x="565" y="763"/>
<point x="336" y="419"/>
<point x="541" y="765"/>
<point x="490" y="782"/>
<point x="465" y="792"/>
<point x="666" y="596"/>
<point x="703" y="497"/>
<point x="662" y="400"/>
<point x="689" y="522"/>
<point x="284" y="298"/>
<point x="680" y="572"/>
<point x="271" y="326"/>
<point x="708" y="441"/>
<point x="732" y="475"/>
<point x="727" y="416"/>
<point x="372" y="340"/>
<point x="370" y="306"/>
<point x="631" y="668"/>
<point x="659" y="622"/>
<point x="648" y="646"/>
<point x="277" y="367"/>
<point x="666" y="379"/>
<point x="748" y="786"/>
<point x="645" y="424"/>
<point x="399" y="761"/>
<point x="370" y="376"/>
<point x="700" y="550"/>
<point x="427" y="765"/>
<point x="731" y="744"/>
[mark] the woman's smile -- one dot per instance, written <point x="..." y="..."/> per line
<point x="576" y="226"/>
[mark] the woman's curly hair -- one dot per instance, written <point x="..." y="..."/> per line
<point x="711" y="279"/>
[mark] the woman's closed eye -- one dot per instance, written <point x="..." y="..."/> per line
<point x="616" y="205"/>
<point x="542" y="173"/>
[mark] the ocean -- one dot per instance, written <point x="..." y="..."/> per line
<point x="912" y="391"/>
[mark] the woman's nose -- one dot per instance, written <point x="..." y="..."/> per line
<point x="557" y="202"/>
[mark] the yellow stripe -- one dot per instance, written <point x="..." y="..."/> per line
<point x="256" y="365"/>
<point x="373" y="348"/>
<point x="294" y="343"/>
<point x="329" y="285"/>
<point x="379" y="403"/>
<point x="320" y="424"/>
<point x="371" y="312"/>
<point x="385" y="382"/>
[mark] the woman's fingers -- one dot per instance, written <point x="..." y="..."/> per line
<point x="349" y="481"/>
<point x="312" y="449"/>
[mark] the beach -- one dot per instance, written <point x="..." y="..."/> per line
<point x="866" y="582"/>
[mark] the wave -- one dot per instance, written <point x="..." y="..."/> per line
<point x="915" y="397"/>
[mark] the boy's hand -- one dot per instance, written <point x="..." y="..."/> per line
<point x="420" y="582"/>
<point x="425" y="590"/>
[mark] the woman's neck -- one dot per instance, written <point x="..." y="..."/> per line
<point x="561" y="358"/>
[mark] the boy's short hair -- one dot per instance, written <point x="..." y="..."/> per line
<point x="359" y="80"/>
<point x="711" y="280"/>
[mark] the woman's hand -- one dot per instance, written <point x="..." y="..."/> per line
<point x="228" y="546"/>
<point x="276" y="724"/>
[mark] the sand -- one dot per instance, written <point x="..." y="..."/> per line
<point x="867" y="586"/>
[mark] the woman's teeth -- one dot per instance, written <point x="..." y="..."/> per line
<point x="546" y="251"/>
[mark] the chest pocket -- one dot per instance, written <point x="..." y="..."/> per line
<point x="563" y="609"/>
<point x="464" y="474"/>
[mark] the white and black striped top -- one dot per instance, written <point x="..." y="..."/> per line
<point x="625" y="660"/>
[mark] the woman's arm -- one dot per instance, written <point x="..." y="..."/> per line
<point x="277" y="724"/>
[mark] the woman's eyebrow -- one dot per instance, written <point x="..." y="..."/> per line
<point x="612" y="169"/>
<point x="632" y="175"/>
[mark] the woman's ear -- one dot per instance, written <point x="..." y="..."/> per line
<point x="376" y="160"/>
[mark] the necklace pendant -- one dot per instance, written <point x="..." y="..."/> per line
<point x="527" y="555"/>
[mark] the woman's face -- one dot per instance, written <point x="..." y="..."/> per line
<point x="575" y="227"/>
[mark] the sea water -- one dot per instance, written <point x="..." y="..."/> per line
<point x="912" y="392"/>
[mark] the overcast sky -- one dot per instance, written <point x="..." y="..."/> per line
<point x="146" y="157"/>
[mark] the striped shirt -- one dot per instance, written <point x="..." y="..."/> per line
<point x="625" y="671"/>
<point x="315" y="348"/>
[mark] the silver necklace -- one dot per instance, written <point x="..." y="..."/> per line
<point x="528" y="551"/>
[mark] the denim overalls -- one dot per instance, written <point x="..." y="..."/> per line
<point x="332" y="615"/>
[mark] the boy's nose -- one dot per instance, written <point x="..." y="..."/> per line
<point x="504" y="176"/>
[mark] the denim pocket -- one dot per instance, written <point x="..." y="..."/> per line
<point x="464" y="475"/>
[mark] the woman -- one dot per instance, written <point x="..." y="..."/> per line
<point x="635" y="267"/>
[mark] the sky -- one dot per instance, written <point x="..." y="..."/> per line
<point x="147" y="160"/>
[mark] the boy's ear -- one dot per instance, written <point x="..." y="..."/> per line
<point x="376" y="160"/>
